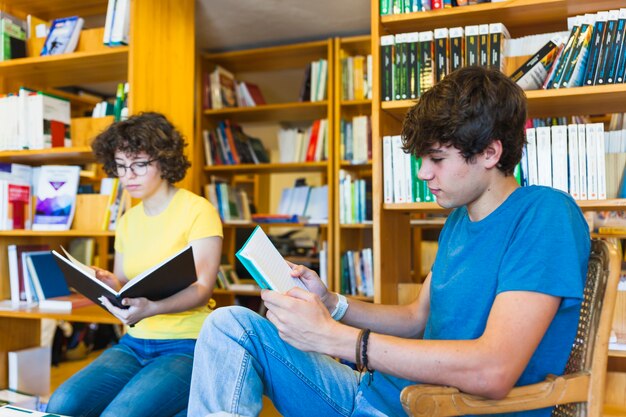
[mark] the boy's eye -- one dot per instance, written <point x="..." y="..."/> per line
<point x="436" y="160"/>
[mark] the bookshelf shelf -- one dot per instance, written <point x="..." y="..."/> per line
<point x="267" y="168"/>
<point x="613" y="353"/>
<point x="50" y="9"/>
<point x="347" y="165"/>
<point x="63" y="233"/>
<point x="102" y="65"/>
<point x="79" y="154"/>
<point x="87" y="314"/>
<point x="559" y="102"/>
<point x="295" y="111"/>
<point x="585" y="205"/>
<point x="277" y="224"/>
<point x="270" y="59"/>
<point x="356" y="225"/>
<point x="521" y="17"/>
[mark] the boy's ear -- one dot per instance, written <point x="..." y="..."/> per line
<point x="492" y="154"/>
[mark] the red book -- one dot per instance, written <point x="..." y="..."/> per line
<point x="57" y="133"/>
<point x="310" y="152"/>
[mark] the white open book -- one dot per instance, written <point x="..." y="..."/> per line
<point x="267" y="266"/>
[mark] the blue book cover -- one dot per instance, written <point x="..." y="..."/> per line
<point x="47" y="277"/>
<point x="63" y="36"/>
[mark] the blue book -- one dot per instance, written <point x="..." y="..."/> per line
<point x="46" y="276"/>
<point x="266" y="265"/>
<point x="63" y="36"/>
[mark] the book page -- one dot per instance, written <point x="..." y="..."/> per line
<point x="86" y="269"/>
<point x="260" y="251"/>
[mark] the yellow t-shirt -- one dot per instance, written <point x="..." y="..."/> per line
<point x="145" y="241"/>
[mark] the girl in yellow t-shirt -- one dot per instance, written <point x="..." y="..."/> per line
<point x="148" y="373"/>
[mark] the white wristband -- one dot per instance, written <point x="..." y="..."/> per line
<point x="340" y="308"/>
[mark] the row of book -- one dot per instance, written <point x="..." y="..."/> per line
<point x="228" y="144"/>
<point x="388" y="7"/>
<point x="315" y="85"/>
<point x="118" y="108"/>
<point x="221" y="90"/>
<point x="357" y="268"/>
<point x="36" y="278"/>
<point x="34" y="120"/>
<point x="356" y="77"/>
<point x="400" y="182"/>
<point x="355" y="199"/>
<point x="580" y="159"/>
<point x="304" y="145"/>
<point x="356" y="139"/>
<point x="594" y="53"/>
<point x="414" y="62"/>
<point x="232" y="203"/>
<point x="54" y="189"/>
<point x="305" y="203"/>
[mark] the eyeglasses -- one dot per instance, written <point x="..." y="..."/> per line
<point x="139" y="168"/>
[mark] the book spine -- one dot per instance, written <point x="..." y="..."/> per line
<point x="606" y="54"/>
<point x="457" y="58"/>
<point x="483" y="45"/>
<point x="441" y="53"/>
<point x="599" y="31"/>
<point x="426" y="48"/>
<point x="387" y="53"/>
<point x="471" y="45"/>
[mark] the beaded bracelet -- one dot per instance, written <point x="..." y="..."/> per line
<point x="362" y="362"/>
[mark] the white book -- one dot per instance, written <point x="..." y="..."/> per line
<point x="56" y="197"/>
<point x="573" y="165"/>
<point x="387" y="170"/>
<point x="108" y="22"/>
<point x="299" y="200"/>
<point x="323" y="77"/>
<point x="29" y="370"/>
<point x="121" y="23"/>
<point x="598" y="132"/>
<point x="531" y="151"/>
<point x="544" y="156"/>
<point x="315" y="69"/>
<point x="592" y="164"/>
<point x="266" y="265"/>
<point x="317" y="206"/>
<point x="559" y="157"/>
<point x="582" y="160"/>
<point x="399" y="195"/>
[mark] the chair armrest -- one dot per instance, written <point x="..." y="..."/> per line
<point x="432" y="400"/>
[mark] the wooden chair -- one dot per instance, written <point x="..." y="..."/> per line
<point x="579" y="392"/>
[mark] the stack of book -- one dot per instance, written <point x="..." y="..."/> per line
<point x="356" y="77"/>
<point x="388" y="7"/>
<point x="34" y="120"/>
<point x="414" y="62"/>
<point x="356" y="139"/>
<point x="63" y="36"/>
<point x="228" y="144"/>
<point x="298" y="145"/>
<point x="592" y="54"/>
<point x="356" y="272"/>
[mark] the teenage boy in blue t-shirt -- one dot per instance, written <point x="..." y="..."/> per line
<point x="499" y="308"/>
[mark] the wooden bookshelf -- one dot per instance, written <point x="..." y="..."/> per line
<point x="51" y="9"/>
<point x="275" y="70"/>
<point x="349" y="236"/>
<point x="521" y="17"/>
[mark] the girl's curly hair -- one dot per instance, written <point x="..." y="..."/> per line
<point x="147" y="132"/>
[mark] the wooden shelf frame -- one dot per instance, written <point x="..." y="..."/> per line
<point x="79" y="154"/>
<point x="286" y="112"/>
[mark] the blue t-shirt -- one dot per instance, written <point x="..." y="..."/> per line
<point x="537" y="240"/>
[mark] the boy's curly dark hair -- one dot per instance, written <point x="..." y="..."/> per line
<point x="147" y="132"/>
<point x="468" y="109"/>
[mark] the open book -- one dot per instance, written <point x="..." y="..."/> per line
<point x="161" y="281"/>
<point x="266" y="265"/>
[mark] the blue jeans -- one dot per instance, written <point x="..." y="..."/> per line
<point x="240" y="356"/>
<point x="137" y="377"/>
